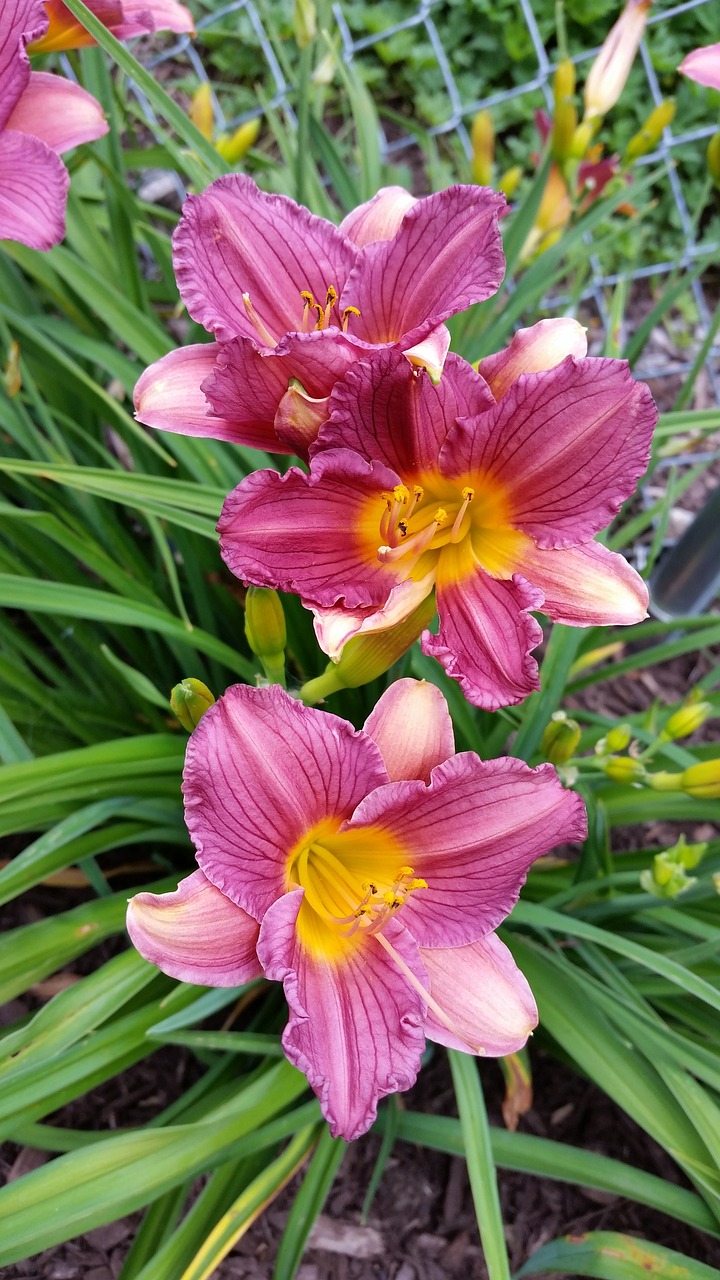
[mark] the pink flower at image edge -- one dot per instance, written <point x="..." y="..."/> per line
<point x="703" y="66"/>
<point x="365" y="870"/>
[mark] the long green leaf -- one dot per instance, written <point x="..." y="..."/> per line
<point x="612" y="1256"/>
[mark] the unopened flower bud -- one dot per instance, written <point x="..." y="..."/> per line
<point x="265" y="630"/>
<point x="304" y="22"/>
<point x="565" y="115"/>
<point x="624" y="769"/>
<point x="611" y="68"/>
<point x="560" y="738"/>
<point x="713" y="159"/>
<point x="667" y="877"/>
<point x="232" y="147"/>
<point x="686" y="720"/>
<point x="189" y="701"/>
<point x="201" y="110"/>
<point x="510" y="180"/>
<point x="581" y="140"/>
<point x="648" y="137"/>
<point x="482" y="136"/>
<point x="617" y="738"/>
<point x="365" y="657"/>
<point x="702" y="780"/>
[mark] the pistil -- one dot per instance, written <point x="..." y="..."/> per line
<point x="257" y="323"/>
<point x="467" y="495"/>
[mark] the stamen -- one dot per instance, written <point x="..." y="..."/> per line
<point x="418" y="495"/>
<point x="468" y="493"/>
<point x="330" y="301"/>
<point x="347" y="313"/>
<point x="310" y="304"/>
<point x="422" y="991"/>
<point x="417" y="543"/>
<point x="255" y="320"/>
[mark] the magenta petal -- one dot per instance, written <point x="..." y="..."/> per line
<point x="485" y="637"/>
<point x="20" y="22"/>
<point x="144" y="16"/>
<point x="261" y="771"/>
<point x="543" y="346"/>
<point x="484" y="994"/>
<point x="703" y="65"/>
<point x="235" y="239"/>
<point x="412" y="727"/>
<point x="356" y="1026"/>
<point x="33" y="191"/>
<point x="379" y="218"/>
<point x="335" y="626"/>
<point x="472" y="835"/>
<point x="60" y="113"/>
<point x="446" y="255"/>
<point x="195" y="934"/>
<point x="586" y="586"/>
<point x="384" y="409"/>
<point x="567" y="446"/>
<point x="169" y="395"/>
<point x="311" y="534"/>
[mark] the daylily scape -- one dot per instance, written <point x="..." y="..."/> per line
<point x="366" y="871"/>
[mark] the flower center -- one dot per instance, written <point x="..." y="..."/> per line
<point x="341" y="897"/>
<point x="415" y="521"/>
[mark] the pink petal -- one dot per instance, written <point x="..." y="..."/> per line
<point x="235" y="239"/>
<point x="483" y="993"/>
<point x="412" y="727"/>
<point x="20" y="22"/>
<point x="472" y="835"/>
<point x="169" y="395"/>
<point x="33" y="191"/>
<point x="703" y="65"/>
<point x="543" y="346"/>
<point x="335" y="626"/>
<point x="195" y="934"/>
<point x="248" y="385"/>
<point x="585" y="586"/>
<point x="431" y="352"/>
<point x="379" y="218"/>
<point x="446" y="255"/>
<point x="356" y="1025"/>
<point x="384" y="409"/>
<point x="486" y="633"/>
<point x="261" y="771"/>
<point x="60" y="113"/>
<point x="144" y="16"/>
<point x="567" y="447"/>
<point x="315" y="535"/>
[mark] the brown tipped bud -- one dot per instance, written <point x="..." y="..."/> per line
<point x="648" y="137"/>
<point x="189" y="701"/>
<point x="482" y="136"/>
<point x="560" y="738"/>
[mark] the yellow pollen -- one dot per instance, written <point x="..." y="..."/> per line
<point x="417" y="884"/>
<point x="467" y="494"/>
<point x="307" y="297"/>
<point x="406" y="871"/>
<point x="419" y="492"/>
<point x="401" y="493"/>
<point x="332" y="296"/>
<point x="440" y="516"/>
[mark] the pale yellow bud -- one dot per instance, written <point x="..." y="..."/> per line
<point x="482" y="136"/>
<point x="201" y="110"/>
<point x="648" y="137"/>
<point x="232" y="147"/>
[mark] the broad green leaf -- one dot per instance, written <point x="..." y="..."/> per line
<point x="612" y="1256"/>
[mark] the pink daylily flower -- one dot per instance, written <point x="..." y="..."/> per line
<point x="703" y="66"/>
<point x="366" y="871"/>
<point x="41" y="115"/>
<point x="125" y="18"/>
<point x="495" y="506"/>
<point x="295" y="301"/>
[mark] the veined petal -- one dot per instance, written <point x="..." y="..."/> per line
<point x="356" y="1024"/>
<point x="379" y="218"/>
<point x="384" y="409"/>
<point x="315" y="535"/>
<point x="169" y="395"/>
<point x="235" y="239"/>
<point x="141" y="17"/>
<point x="568" y="446"/>
<point x="484" y="995"/>
<point x="247" y="385"/>
<point x="261" y="771"/>
<point x="472" y="835"/>
<point x="33" y="191"/>
<point x="195" y="934"/>
<point x="486" y="631"/>
<point x="20" y="22"/>
<point x="60" y="113"/>
<point x="446" y="255"/>
<point x="543" y="346"/>
<point x="335" y="626"/>
<point x="412" y="727"/>
<point x="431" y="352"/>
<point x="703" y="65"/>
<point x="585" y="586"/>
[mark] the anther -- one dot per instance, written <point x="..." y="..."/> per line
<point x="330" y="301"/>
<point x="467" y="494"/>
<point x="347" y="313"/>
<point x="257" y="323"/>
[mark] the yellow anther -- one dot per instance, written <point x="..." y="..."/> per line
<point x="332" y="296"/>
<point x="393" y="900"/>
<point x="467" y="494"/>
<point x="419" y="492"/>
<point x="404" y="872"/>
<point x="347" y="313"/>
<point x="417" y="884"/>
<point x="308" y="298"/>
<point x="401" y="494"/>
<point x="440" y="516"/>
<point x="402" y="528"/>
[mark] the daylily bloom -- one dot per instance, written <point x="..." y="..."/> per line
<point x="40" y="116"/>
<point x="703" y="66"/>
<point x="367" y="871"/>
<point x="414" y="487"/>
<point x="295" y="301"/>
<point x="124" y="18"/>
<point x="610" y="70"/>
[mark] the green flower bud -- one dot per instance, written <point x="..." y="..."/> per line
<point x="265" y="630"/>
<point x="702" y="780"/>
<point x="482" y="136"/>
<point x="560" y="738"/>
<point x="368" y="656"/>
<point x="650" y="134"/>
<point x="713" y="158"/>
<point x="617" y="738"/>
<point x="189" y="701"/>
<point x="686" y="720"/>
<point x="624" y="769"/>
